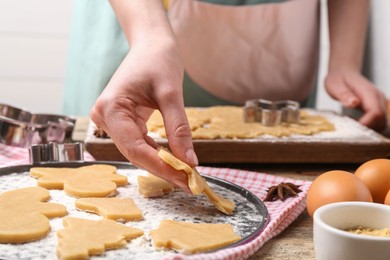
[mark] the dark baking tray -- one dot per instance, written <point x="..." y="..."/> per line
<point x="249" y="205"/>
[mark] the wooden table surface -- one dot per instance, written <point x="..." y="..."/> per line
<point x="296" y="241"/>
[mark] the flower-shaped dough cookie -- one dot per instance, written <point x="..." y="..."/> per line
<point x="82" y="238"/>
<point x="24" y="214"/>
<point x="97" y="180"/>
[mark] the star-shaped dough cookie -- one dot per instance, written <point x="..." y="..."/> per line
<point x="118" y="209"/>
<point x="24" y="214"/>
<point x="97" y="180"/>
<point x="82" y="238"/>
<point x="152" y="186"/>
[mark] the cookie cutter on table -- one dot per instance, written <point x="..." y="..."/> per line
<point x="271" y="113"/>
<point x="54" y="152"/>
<point x="22" y="128"/>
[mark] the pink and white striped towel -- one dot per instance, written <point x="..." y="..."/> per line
<point x="281" y="213"/>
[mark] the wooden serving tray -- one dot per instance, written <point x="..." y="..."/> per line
<point x="351" y="142"/>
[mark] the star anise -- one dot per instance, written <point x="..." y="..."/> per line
<point x="100" y="133"/>
<point x="282" y="191"/>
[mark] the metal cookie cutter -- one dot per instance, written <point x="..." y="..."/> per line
<point x="53" y="152"/>
<point x="271" y="113"/>
<point x="22" y="128"/>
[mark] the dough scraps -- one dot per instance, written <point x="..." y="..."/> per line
<point x="196" y="118"/>
<point x="226" y="122"/>
<point x="152" y="186"/>
<point x="24" y="214"/>
<point x="191" y="238"/>
<point x="118" y="209"/>
<point x="82" y="238"/>
<point x="97" y="180"/>
<point x="196" y="183"/>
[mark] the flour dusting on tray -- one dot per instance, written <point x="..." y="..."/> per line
<point x="177" y="206"/>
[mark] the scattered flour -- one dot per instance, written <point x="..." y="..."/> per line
<point x="178" y="206"/>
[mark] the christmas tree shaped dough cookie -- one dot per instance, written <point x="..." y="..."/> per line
<point x="97" y="180"/>
<point x="196" y="183"/>
<point x="118" y="209"/>
<point x="82" y="238"/>
<point x="24" y="214"/>
<point x="192" y="238"/>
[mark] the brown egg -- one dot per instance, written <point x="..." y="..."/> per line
<point x="335" y="186"/>
<point x="376" y="175"/>
<point x="387" y="199"/>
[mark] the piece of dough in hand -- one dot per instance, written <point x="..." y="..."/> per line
<point x="24" y="214"/>
<point x="191" y="238"/>
<point x="196" y="183"/>
<point x="82" y="238"/>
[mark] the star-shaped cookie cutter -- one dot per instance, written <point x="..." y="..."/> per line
<point x="21" y="128"/>
<point x="271" y="113"/>
<point x="56" y="152"/>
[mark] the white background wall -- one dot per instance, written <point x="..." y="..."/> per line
<point x="33" y="50"/>
<point x="379" y="46"/>
<point x="34" y="40"/>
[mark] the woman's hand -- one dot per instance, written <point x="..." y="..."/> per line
<point x="348" y="20"/>
<point x="149" y="78"/>
<point x="353" y="90"/>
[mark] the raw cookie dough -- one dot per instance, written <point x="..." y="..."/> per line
<point x="196" y="183"/>
<point x="196" y="119"/>
<point x="24" y="214"/>
<point x="97" y="180"/>
<point x="192" y="238"/>
<point x="82" y="238"/>
<point x="226" y="122"/>
<point x="118" y="209"/>
<point x="152" y="186"/>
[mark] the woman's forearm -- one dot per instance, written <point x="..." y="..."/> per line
<point x="347" y="30"/>
<point x="142" y="20"/>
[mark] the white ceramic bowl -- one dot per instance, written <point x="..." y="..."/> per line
<point x="331" y="242"/>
